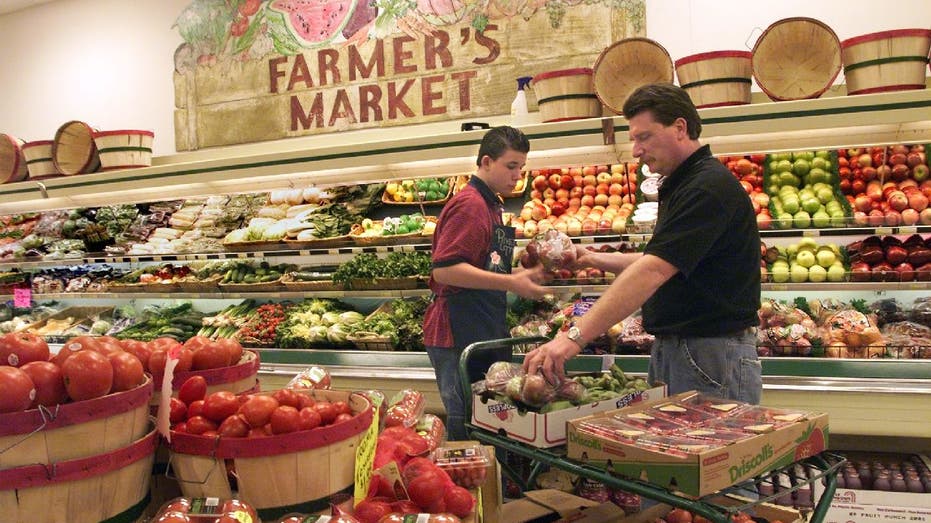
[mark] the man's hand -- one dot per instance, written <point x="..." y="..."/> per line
<point x="526" y="283"/>
<point x="551" y="358"/>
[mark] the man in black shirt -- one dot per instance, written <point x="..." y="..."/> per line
<point x="698" y="280"/>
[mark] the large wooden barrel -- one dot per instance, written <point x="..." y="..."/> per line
<point x="73" y="150"/>
<point x="567" y="94"/>
<point x="113" y="486"/>
<point x="12" y="161"/>
<point x="628" y="64"/>
<point x="796" y="58"/>
<point x="74" y="430"/>
<point x="717" y="78"/>
<point x="886" y="61"/>
<point x="239" y="378"/>
<point x="320" y="462"/>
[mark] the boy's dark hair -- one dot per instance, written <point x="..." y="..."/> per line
<point x="667" y="102"/>
<point x="498" y="140"/>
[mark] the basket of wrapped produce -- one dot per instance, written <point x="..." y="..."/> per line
<point x="423" y="191"/>
<point x="404" y="229"/>
<point x="310" y="280"/>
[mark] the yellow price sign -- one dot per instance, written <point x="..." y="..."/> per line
<point x="365" y="458"/>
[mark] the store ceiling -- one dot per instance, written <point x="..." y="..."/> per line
<point x="8" y="6"/>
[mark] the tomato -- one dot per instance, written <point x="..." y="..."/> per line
<point x="87" y="375"/>
<point x="210" y="433"/>
<point x="19" y="348"/>
<point x="233" y="347"/>
<point x="179" y="427"/>
<point x="84" y="342"/>
<point x="257" y="410"/>
<point x="193" y="389"/>
<point x="416" y="467"/>
<point x="49" y="383"/>
<point x="233" y="427"/>
<point x="257" y="432"/>
<point x="195" y="408"/>
<point x="220" y="405"/>
<point x="163" y="343"/>
<point x="140" y="350"/>
<point x="341" y="417"/>
<point x="285" y="419"/>
<point x="200" y="425"/>
<point x="178" y="505"/>
<point x="679" y="515"/>
<point x="307" y="401"/>
<point x="405" y="506"/>
<point x="17" y="392"/>
<point x="177" y="411"/>
<point x="210" y="356"/>
<point x="341" y="407"/>
<point x="173" y="517"/>
<point x="197" y="342"/>
<point x="159" y="358"/>
<point x="127" y="371"/>
<point x="289" y="397"/>
<point x="426" y="488"/>
<point x="109" y="344"/>
<point x="308" y="419"/>
<point x="238" y="505"/>
<point x="370" y="511"/>
<point x="326" y="410"/>
<point x="65" y="352"/>
<point x="459" y="501"/>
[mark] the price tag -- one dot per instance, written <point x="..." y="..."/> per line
<point x="811" y="233"/>
<point x="365" y="458"/>
<point x="586" y="240"/>
<point x="917" y="286"/>
<point x="382" y="248"/>
<point x="22" y="297"/>
<point x="910" y="229"/>
<point x="779" y="287"/>
<point x="303" y="253"/>
<point x="884" y="230"/>
<point x="242" y="254"/>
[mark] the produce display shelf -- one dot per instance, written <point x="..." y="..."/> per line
<point x="822" y="467"/>
<point x="882" y="375"/>
<point x="219" y="295"/>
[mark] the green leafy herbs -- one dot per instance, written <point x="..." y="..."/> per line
<point x="368" y="266"/>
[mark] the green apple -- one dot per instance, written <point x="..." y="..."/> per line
<point x="806" y="258"/>
<point x="792" y="250"/>
<point x="783" y="166"/>
<point x="819" y="163"/>
<point x="784" y="221"/>
<point x="798" y="274"/>
<point x="780" y="273"/>
<point x="774" y="166"/>
<point x="818" y="176"/>
<point x="801" y="220"/>
<point x="804" y="155"/>
<point x="838" y="219"/>
<point x="801" y="167"/>
<point x="836" y="272"/>
<point x="826" y="258"/>
<point x="825" y="155"/>
<point x="817" y="274"/>
<point x="825" y="195"/>
<point x="833" y="206"/>
<point x="790" y="205"/>
<point x="773" y="189"/>
<point x="808" y="243"/>
<point x="781" y="156"/>
<point x="821" y="219"/>
<point x="811" y="205"/>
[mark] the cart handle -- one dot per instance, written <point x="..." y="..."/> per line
<point x="486" y="345"/>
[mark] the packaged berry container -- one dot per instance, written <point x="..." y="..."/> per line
<point x="467" y="466"/>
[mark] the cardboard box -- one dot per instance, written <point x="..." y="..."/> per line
<point x="546" y="430"/>
<point x="877" y="505"/>
<point x="702" y="472"/>
<point x="549" y="505"/>
<point x="767" y="511"/>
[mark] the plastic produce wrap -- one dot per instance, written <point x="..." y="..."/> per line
<point x="313" y="377"/>
<point x="405" y="409"/>
<point x="554" y="249"/>
<point x="509" y="380"/>
<point x="921" y="311"/>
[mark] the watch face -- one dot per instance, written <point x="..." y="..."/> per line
<point x="574" y="333"/>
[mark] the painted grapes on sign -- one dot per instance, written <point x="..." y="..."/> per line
<point x="250" y="29"/>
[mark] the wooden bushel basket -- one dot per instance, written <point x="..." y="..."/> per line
<point x="717" y="78"/>
<point x="12" y="161"/>
<point x="628" y="64"/>
<point x="239" y="378"/>
<point x="796" y="58"/>
<point x="886" y="61"/>
<point x="567" y="94"/>
<point x="126" y="149"/>
<point x="39" y="161"/>
<point x="74" y="430"/>
<point x="73" y="150"/>
<point x="294" y="472"/>
<point x="113" y="486"/>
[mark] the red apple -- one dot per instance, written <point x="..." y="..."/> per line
<point x="575" y="192"/>
<point x="897" y="200"/>
<point x="900" y="172"/>
<point x="602" y="169"/>
<point x="924" y="217"/>
<point x="577" y="180"/>
<point x="913" y="159"/>
<point x="554" y="181"/>
<point x="862" y="203"/>
<point x="910" y="217"/>
<point x="603" y="177"/>
<point x="897" y="159"/>
<point x="865" y="160"/>
<point x="763" y="221"/>
<point x="917" y="201"/>
<point x="875" y="218"/>
<point x="859" y="218"/>
<point x="587" y="170"/>
<point x="892" y="218"/>
<point x="589" y="179"/>
<point x="883" y="172"/>
<point x="857" y="186"/>
<point x="540" y="183"/>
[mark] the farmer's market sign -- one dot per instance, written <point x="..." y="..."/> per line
<point x="253" y="70"/>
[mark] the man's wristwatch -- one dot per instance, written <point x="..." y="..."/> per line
<point x="575" y="335"/>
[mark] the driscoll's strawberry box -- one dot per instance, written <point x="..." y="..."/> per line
<point x="666" y="443"/>
<point x="549" y="429"/>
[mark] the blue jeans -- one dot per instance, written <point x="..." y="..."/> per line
<point x="445" y="362"/>
<point x="724" y="366"/>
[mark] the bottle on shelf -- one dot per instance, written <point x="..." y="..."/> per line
<point x="519" y="113"/>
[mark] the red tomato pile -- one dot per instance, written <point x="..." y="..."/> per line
<point x="257" y="415"/>
<point x="429" y="488"/>
<point x="197" y="353"/>
<point x="85" y="368"/>
<point x="181" y="510"/>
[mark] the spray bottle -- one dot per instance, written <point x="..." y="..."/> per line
<point x="519" y="113"/>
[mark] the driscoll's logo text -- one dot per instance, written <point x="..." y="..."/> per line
<point x="748" y="465"/>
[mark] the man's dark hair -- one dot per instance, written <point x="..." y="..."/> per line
<point x="667" y="102"/>
<point x="499" y="140"/>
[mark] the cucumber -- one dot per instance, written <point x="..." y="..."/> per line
<point x="250" y="278"/>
